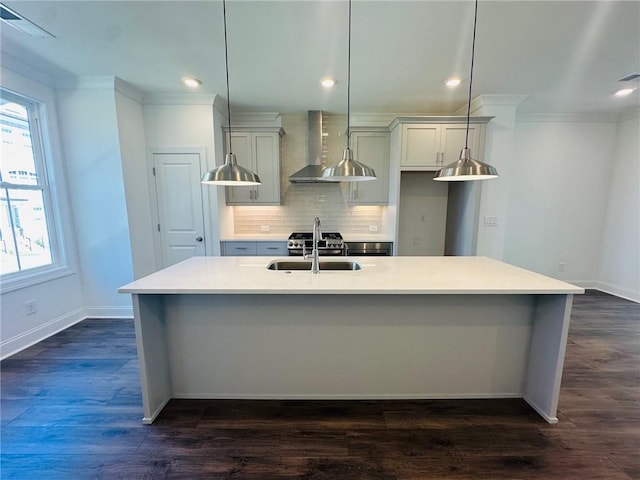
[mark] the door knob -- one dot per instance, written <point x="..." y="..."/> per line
<point x="198" y="239"/>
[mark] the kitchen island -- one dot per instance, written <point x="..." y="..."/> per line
<point x="400" y="327"/>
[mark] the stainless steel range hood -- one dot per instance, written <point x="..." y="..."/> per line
<point x="312" y="172"/>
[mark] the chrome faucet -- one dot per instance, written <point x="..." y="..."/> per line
<point x="317" y="236"/>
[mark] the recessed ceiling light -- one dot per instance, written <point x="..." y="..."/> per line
<point x="453" y="82"/>
<point x="191" y="82"/>
<point x="624" y="91"/>
<point x="328" y="82"/>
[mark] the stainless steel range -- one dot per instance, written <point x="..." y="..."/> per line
<point x="330" y="243"/>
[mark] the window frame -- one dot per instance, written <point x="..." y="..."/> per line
<point x="43" y="161"/>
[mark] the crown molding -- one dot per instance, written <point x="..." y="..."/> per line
<point x="92" y="82"/>
<point x="254" y="128"/>
<point x="371" y="119"/>
<point x="16" y="66"/>
<point x="439" y="119"/>
<point x="220" y="104"/>
<point x="600" y="117"/>
<point x="179" y="99"/>
<point x="256" y="119"/>
<point x="128" y="90"/>
<point x="482" y="101"/>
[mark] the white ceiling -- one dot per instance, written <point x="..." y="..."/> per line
<point x="565" y="55"/>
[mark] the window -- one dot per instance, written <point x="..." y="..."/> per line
<point x="27" y="240"/>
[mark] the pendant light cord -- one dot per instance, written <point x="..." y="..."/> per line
<point x="473" y="52"/>
<point x="349" y="82"/>
<point x="226" y="64"/>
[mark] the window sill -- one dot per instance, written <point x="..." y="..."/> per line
<point x="37" y="276"/>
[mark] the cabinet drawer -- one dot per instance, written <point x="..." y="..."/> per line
<point x="238" y="249"/>
<point x="272" y="249"/>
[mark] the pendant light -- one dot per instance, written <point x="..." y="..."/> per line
<point x="230" y="173"/>
<point x="466" y="168"/>
<point x="349" y="170"/>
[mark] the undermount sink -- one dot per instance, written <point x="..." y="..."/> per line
<point x="289" y="265"/>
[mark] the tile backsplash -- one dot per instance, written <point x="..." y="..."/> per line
<point x="300" y="203"/>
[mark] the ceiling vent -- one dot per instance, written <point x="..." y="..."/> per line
<point x="16" y="20"/>
<point x="630" y="77"/>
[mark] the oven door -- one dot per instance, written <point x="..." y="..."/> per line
<point x="367" y="249"/>
<point x="323" y="250"/>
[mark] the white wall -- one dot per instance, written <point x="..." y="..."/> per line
<point x="557" y="197"/>
<point x="135" y="170"/>
<point x="493" y="194"/>
<point x="59" y="301"/>
<point x="89" y="134"/>
<point x="422" y="214"/>
<point x="620" y="254"/>
<point x="176" y="125"/>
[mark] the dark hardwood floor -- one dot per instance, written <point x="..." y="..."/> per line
<point x="71" y="409"/>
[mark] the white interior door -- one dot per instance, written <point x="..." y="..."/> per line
<point x="180" y="215"/>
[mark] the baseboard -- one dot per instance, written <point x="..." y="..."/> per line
<point x="541" y="412"/>
<point x="31" y="337"/>
<point x="342" y="396"/>
<point x="108" y="312"/>
<point x="617" y="291"/>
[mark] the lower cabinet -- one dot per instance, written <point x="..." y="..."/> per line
<point x="256" y="248"/>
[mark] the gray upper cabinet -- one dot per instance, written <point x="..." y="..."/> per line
<point x="258" y="151"/>
<point x="371" y="147"/>
<point x="430" y="146"/>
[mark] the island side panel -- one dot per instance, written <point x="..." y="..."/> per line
<point x="546" y="354"/>
<point x="150" y="325"/>
<point x="348" y="346"/>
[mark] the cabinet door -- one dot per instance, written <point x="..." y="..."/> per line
<point x="372" y="149"/>
<point x="239" y="249"/>
<point x="270" y="249"/>
<point x="241" y="145"/>
<point x="452" y="141"/>
<point x="421" y="146"/>
<point x="266" y="151"/>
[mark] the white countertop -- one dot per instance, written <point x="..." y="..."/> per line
<point x="379" y="275"/>
<point x="256" y="237"/>
<point x="276" y="237"/>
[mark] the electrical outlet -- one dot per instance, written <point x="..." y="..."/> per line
<point x="562" y="267"/>
<point x="373" y="228"/>
<point x="491" y="221"/>
<point x="416" y="240"/>
<point x="31" y="307"/>
<point x="264" y="228"/>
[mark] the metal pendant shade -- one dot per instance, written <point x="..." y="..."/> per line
<point x="229" y="174"/>
<point x="467" y="168"/>
<point x="349" y="170"/>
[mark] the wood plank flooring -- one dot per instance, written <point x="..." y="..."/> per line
<point x="71" y="409"/>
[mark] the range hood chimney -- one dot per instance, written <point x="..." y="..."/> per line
<point x="312" y="172"/>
